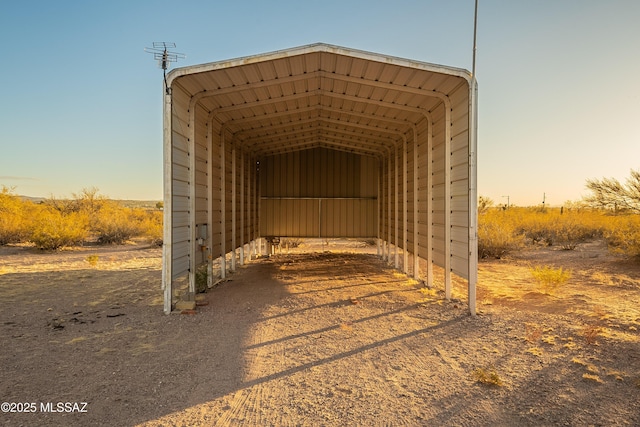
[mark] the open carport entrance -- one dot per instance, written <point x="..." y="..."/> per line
<point x="319" y="141"/>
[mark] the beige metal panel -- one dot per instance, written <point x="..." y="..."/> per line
<point x="289" y="217"/>
<point x="267" y="225"/>
<point x="180" y="204"/>
<point x="181" y="249"/>
<point x="180" y="267"/>
<point x="180" y="234"/>
<point x="459" y="218"/>
<point x="201" y="164"/>
<point x="459" y="171"/>
<point x="459" y="143"/>
<point x="180" y="157"/>
<point x="180" y="219"/>
<point x="368" y="176"/>
<point x="180" y="173"/>
<point x="459" y="204"/>
<point x="319" y="172"/>
<point x="459" y="188"/>
<point x="460" y="266"/>
<point x="228" y="198"/>
<point x="348" y="218"/>
<point x="201" y="195"/>
<point x="201" y="183"/>
<point x="438" y="255"/>
<point x="459" y="233"/>
<point x="181" y="188"/>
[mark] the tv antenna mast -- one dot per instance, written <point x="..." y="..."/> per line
<point x="165" y="57"/>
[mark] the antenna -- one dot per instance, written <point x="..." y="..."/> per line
<point x="165" y="57"/>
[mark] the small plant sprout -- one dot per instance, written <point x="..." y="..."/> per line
<point x="591" y="333"/>
<point x="488" y="376"/>
<point x="92" y="260"/>
<point x="550" y="278"/>
<point x="532" y="333"/>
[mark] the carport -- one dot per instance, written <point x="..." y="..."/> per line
<point x="319" y="141"/>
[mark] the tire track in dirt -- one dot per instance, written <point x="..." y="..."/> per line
<point x="251" y="405"/>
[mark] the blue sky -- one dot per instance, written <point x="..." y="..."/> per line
<point x="81" y="102"/>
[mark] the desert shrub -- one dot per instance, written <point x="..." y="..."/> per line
<point x="51" y="229"/>
<point x="113" y="224"/>
<point x="550" y="278"/>
<point x="202" y="279"/>
<point x="622" y="234"/>
<point x="87" y="201"/>
<point x="92" y="260"/>
<point x="498" y="234"/>
<point x="152" y="228"/>
<point x="14" y="217"/>
<point x="556" y="227"/>
<point x="535" y="225"/>
<point x="569" y="230"/>
<point x="484" y="204"/>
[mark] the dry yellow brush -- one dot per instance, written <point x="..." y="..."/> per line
<point x="501" y="231"/>
<point x="53" y="224"/>
<point x="550" y="278"/>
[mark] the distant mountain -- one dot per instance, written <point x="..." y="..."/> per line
<point x="33" y="199"/>
<point x="145" y="204"/>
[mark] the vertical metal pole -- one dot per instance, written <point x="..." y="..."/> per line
<point x="429" y="174"/>
<point x="405" y="207"/>
<point x="320" y="222"/>
<point x="191" y="138"/>
<point x="167" y="214"/>
<point x="256" y="206"/>
<point x="223" y="207"/>
<point x="416" y="259"/>
<point x="447" y="202"/>
<point x="396" y="262"/>
<point x="234" y="207"/>
<point x="389" y="210"/>
<point x="210" y="204"/>
<point x="242" y="207"/>
<point x="378" y="206"/>
<point x="251" y="229"/>
<point x="258" y="198"/>
<point x="473" y="177"/>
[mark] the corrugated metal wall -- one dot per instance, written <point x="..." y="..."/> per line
<point x="460" y="182"/>
<point x="319" y="193"/>
<point x="180" y="187"/>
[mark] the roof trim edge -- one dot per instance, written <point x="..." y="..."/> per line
<point x="313" y="48"/>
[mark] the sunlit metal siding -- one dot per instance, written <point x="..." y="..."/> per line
<point x="460" y="181"/>
<point x="180" y="189"/>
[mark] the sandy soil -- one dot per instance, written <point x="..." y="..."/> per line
<point x="317" y="339"/>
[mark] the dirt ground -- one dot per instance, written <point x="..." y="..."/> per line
<point x="317" y="339"/>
